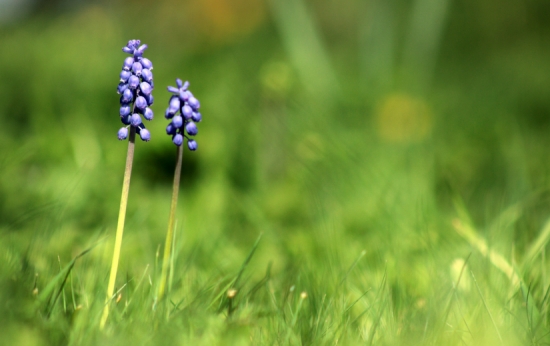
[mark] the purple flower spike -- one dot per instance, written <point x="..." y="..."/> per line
<point x="140" y="103"/>
<point x="145" y="135"/>
<point x="192" y="145"/>
<point x="178" y="139"/>
<point x="146" y="88"/>
<point x="123" y="133"/>
<point x="177" y="121"/>
<point x="191" y="129"/>
<point x="148" y="113"/>
<point x="136" y="89"/>
<point x="182" y="110"/>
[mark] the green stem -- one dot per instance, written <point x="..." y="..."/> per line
<point x="120" y="225"/>
<point x="171" y="221"/>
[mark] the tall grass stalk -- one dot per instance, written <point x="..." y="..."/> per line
<point x="171" y="222"/>
<point x="120" y="225"/>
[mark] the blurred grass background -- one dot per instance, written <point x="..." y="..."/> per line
<point x="338" y="130"/>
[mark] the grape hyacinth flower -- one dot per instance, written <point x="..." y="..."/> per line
<point x="135" y="90"/>
<point x="183" y="113"/>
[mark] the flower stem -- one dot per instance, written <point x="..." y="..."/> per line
<point x="171" y="221"/>
<point x="120" y="225"/>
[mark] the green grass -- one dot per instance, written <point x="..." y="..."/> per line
<point x="348" y="189"/>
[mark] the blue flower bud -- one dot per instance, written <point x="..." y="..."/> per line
<point x="136" y="119"/>
<point x="127" y="96"/>
<point x="123" y="133"/>
<point x="174" y="105"/>
<point x="168" y="114"/>
<point x="133" y="82"/>
<point x="177" y="121"/>
<point x="128" y="63"/>
<point x="124" y="109"/>
<point x="121" y="87"/>
<point x="140" y="103"/>
<point x="146" y="75"/>
<point x="196" y="117"/>
<point x="145" y="88"/>
<point x="145" y="135"/>
<point x="171" y="129"/>
<point x="179" y="83"/>
<point x="178" y="139"/>
<point x="126" y="119"/>
<point x="191" y="128"/>
<point x="148" y="113"/>
<point x="128" y="50"/>
<point x="183" y="95"/>
<point x="173" y="89"/>
<point x="192" y="145"/>
<point x="141" y="49"/>
<point x="194" y="103"/>
<point x="146" y="63"/>
<point x="187" y="112"/>
<point x="136" y="68"/>
<point x="124" y="75"/>
<point x="149" y="98"/>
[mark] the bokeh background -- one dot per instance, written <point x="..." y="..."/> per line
<point x="330" y="127"/>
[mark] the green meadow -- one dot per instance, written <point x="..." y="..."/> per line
<point x="367" y="173"/>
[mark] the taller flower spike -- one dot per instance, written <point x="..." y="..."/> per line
<point x="135" y="88"/>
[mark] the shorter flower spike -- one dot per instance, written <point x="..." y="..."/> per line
<point x="183" y="113"/>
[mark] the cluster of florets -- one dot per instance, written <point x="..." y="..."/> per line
<point x="135" y="88"/>
<point x="183" y="111"/>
